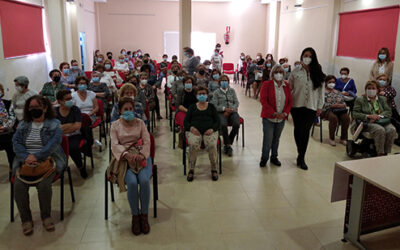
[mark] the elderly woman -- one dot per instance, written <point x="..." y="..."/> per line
<point x="276" y="101"/>
<point x="75" y="70"/>
<point x="67" y="78"/>
<point x="22" y="94"/>
<point x="121" y="65"/>
<point x="111" y="72"/>
<point x="376" y="113"/>
<point x="7" y="121"/>
<point x="213" y="83"/>
<point x="202" y="124"/>
<point x="201" y="77"/>
<point x="99" y="88"/>
<point x="147" y="91"/>
<point x="50" y="89"/>
<point x="37" y="143"/>
<point x="335" y="111"/>
<point x="227" y="104"/>
<point x="106" y="78"/>
<point x="130" y="146"/>
<point x="85" y="99"/>
<point x="71" y="121"/>
<point x="185" y="98"/>
<point x="129" y="90"/>
<point x="382" y="65"/>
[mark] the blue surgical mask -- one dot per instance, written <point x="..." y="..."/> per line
<point x="66" y="71"/>
<point x="69" y="103"/>
<point x="143" y="82"/>
<point x="268" y="65"/>
<point x="123" y="53"/>
<point x="128" y="115"/>
<point x="82" y="87"/>
<point x="286" y="69"/>
<point x="216" y="76"/>
<point x="96" y="79"/>
<point x="382" y="56"/>
<point x="298" y="66"/>
<point x="202" y="98"/>
<point x="121" y="60"/>
<point x="180" y="78"/>
<point x="75" y="67"/>
<point x="107" y="66"/>
<point x="188" y="86"/>
<point x="224" y="84"/>
<point x="99" y="59"/>
<point x="382" y="83"/>
<point x="165" y="59"/>
<point x="126" y="59"/>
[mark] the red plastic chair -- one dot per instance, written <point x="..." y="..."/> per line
<point x="100" y="122"/>
<point x="122" y="75"/>
<point x="155" y="183"/>
<point x="65" y="147"/>
<point x="88" y="74"/>
<point x="228" y="68"/>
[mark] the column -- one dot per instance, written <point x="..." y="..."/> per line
<point x="185" y="25"/>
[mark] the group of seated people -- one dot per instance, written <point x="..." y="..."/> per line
<point x="32" y="125"/>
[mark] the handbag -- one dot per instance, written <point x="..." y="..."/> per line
<point x="33" y="174"/>
<point x="339" y="111"/>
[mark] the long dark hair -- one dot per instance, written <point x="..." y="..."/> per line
<point x="387" y="55"/>
<point x="44" y="102"/>
<point x="317" y="76"/>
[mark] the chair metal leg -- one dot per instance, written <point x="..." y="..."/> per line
<point x="170" y="119"/>
<point x="105" y="135"/>
<point x="71" y="187"/>
<point x="84" y="160"/>
<point x="220" y="156"/>
<point x="105" y="197"/>
<point x="184" y="154"/>
<point x="166" y="107"/>
<point x="320" y="130"/>
<point x="11" y="201"/>
<point x="155" y="190"/>
<point x="91" y="159"/>
<point x="62" y="197"/>
<point x="112" y="192"/>
<point x="243" y="134"/>
<point x="312" y="129"/>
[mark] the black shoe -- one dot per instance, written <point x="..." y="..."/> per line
<point x="214" y="175"/>
<point x="83" y="172"/>
<point x="303" y="166"/>
<point x="299" y="161"/>
<point x="190" y="176"/>
<point x="229" y="151"/>
<point x="159" y="117"/>
<point x="276" y="162"/>
<point x="263" y="163"/>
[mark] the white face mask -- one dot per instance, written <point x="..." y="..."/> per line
<point x="331" y="85"/>
<point x="19" y="89"/>
<point x="344" y="76"/>
<point x="278" y="76"/>
<point x="307" y="60"/>
<point x="371" y="92"/>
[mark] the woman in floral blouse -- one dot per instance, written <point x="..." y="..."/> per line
<point x="335" y="111"/>
<point x="7" y="120"/>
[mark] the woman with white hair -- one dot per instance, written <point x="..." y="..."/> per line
<point x="276" y="100"/>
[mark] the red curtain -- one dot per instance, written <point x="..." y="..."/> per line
<point x="363" y="33"/>
<point x="21" y="28"/>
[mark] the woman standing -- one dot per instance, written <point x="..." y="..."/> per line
<point x="276" y="101"/>
<point x="306" y="83"/>
<point x="382" y="65"/>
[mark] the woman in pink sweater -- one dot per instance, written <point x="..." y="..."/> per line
<point x="130" y="146"/>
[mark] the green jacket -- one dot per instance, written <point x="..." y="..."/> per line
<point x="362" y="108"/>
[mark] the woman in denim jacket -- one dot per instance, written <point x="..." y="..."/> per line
<point x="38" y="137"/>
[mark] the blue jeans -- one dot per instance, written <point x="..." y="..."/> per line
<point x="271" y="135"/>
<point x="143" y="179"/>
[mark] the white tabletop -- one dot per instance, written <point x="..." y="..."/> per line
<point x="383" y="172"/>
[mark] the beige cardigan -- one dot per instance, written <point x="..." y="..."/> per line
<point x="375" y="70"/>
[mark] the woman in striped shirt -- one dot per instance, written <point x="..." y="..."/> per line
<point x="38" y="137"/>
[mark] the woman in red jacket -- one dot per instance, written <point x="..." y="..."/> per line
<point x="276" y="101"/>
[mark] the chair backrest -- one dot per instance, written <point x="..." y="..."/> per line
<point x="88" y="74"/>
<point x="228" y="66"/>
<point x="122" y="75"/>
<point x="86" y="128"/>
<point x="65" y="145"/>
<point x="100" y="112"/>
<point x="86" y="120"/>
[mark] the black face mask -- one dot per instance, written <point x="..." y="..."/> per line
<point x="110" y="57"/>
<point x="201" y="72"/>
<point x="146" y="61"/>
<point x="175" y="72"/>
<point x="36" y="113"/>
<point x="56" y="78"/>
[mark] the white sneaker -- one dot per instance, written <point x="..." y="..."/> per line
<point x="98" y="143"/>
<point x="344" y="142"/>
<point x="332" y="142"/>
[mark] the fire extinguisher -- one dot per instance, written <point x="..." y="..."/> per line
<point x="226" y="38"/>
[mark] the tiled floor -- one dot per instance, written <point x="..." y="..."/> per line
<point x="247" y="208"/>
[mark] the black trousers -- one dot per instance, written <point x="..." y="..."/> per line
<point x="6" y="144"/>
<point x="74" y="150"/>
<point x="157" y="107"/>
<point x="303" y="119"/>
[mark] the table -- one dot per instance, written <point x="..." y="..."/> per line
<point x="373" y="195"/>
